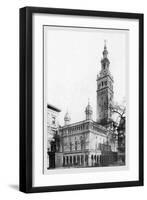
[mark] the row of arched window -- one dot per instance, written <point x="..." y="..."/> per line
<point x="74" y="146"/>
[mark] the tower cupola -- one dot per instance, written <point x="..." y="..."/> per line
<point x="88" y="111"/>
<point x="67" y="118"/>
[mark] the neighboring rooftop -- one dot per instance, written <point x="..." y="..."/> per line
<point x="53" y="108"/>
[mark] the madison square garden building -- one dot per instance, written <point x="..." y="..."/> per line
<point x="86" y="143"/>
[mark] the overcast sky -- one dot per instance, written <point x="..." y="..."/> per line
<point x="72" y="61"/>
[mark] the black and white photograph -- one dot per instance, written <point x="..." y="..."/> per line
<point x="85" y="97"/>
<point x="81" y="99"/>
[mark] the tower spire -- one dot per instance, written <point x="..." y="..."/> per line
<point x="105" y="41"/>
<point x="105" y="52"/>
<point x="88" y="101"/>
<point x="67" y="118"/>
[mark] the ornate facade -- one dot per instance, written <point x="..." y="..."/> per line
<point x="86" y="143"/>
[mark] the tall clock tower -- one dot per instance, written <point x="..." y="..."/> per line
<point x="104" y="90"/>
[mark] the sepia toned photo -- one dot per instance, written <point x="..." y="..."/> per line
<point x="85" y="95"/>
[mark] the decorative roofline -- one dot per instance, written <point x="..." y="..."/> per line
<point x="83" y="122"/>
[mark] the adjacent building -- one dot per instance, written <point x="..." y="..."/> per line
<point x="52" y="132"/>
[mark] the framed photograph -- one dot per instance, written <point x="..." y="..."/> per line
<point x="81" y="99"/>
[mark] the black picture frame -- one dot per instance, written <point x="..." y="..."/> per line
<point x="26" y="91"/>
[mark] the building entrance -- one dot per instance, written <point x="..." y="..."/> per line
<point x="51" y="160"/>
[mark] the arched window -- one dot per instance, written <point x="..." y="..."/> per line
<point x="74" y="160"/>
<point x="78" y="159"/>
<point x="82" y="159"/>
<point x="70" y="159"/>
<point x="86" y="158"/>
<point x="95" y="157"/>
<point x="82" y="143"/>
<point x="75" y="145"/>
<point x="70" y="146"/>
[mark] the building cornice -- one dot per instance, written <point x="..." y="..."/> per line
<point x="107" y="87"/>
<point x="108" y="75"/>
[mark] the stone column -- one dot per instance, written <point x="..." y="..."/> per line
<point x="89" y="161"/>
<point x="84" y="160"/>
